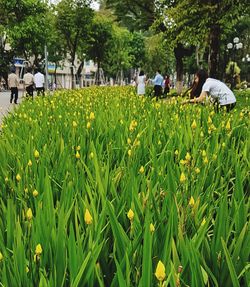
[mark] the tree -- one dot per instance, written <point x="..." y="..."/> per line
<point x="119" y="58"/>
<point x="101" y="32"/>
<point x="26" y="27"/>
<point x="74" y="19"/>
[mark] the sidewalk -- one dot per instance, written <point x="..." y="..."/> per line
<point x="5" y="105"/>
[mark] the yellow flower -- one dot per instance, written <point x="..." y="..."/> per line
<point x="228" y="126"/>
<point x="36" y="154"/>
<point x="29" y="163"/>
<point x="141" y="170"/>
<point x="188" y="156"/>
<point x="1" y="256"/>
<point x="205" y="160"/>
<point x="204" y="153"/>
<point x="191" y="202"/>
<point x="130" y="215"/>
<point x="78" y="148"/>
<point x="18" y="177"/>
<point x="92" y="116"/>
<point x="74" y="124"/>
<point x="29" y="214"/>
<point x="201" y="134"/>
<point x="91" y="155"/>
<point x="194" y="125"/>
<point x="152" y="228"/>
<point x="203" y="221"/>
<point x="129" y="152"/>
<point x="87" y="217"/>
<point x="160" y="271"/>
<point x="88" y="125"/>
<point x="35" y="193"/>
<point x="241" y="115"/>
<point x="78" y="155"/>
<point x="182" y="162"/>
<point x="39" y="249"/>
<point x="209" y="121"/>
<point x="182" y="177"/>
<point x="129" y="141"/>
<point x="176" y="152"/>
<point x="197" y="170"/>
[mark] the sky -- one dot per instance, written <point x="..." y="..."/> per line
<point x="94" y="5"/>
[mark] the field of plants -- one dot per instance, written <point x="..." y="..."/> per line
<point x="100" y="187"/>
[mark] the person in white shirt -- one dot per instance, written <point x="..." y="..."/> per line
<point x="141" y="83"/>
<point x="28" y="80"/>
<point x="217" y="90"/>
<point x="39" y="82"/>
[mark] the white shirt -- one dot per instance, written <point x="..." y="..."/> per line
<point x="141" y="85"/>
<point x="28" y="79"/>
<point x="219" y="91"/>
<point x="39" y="80"/>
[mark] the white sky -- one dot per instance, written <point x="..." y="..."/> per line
<point x="94" y="5"/>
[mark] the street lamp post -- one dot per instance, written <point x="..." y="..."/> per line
<point x="236" y="45"/>
<point x="246" y="61"/>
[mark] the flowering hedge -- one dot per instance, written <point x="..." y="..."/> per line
<point x="100" y="187"/>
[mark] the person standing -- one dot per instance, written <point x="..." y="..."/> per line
<point x="166" y="85"/>
<point x="39" y="82"/>
<point x="221" y="95"/>
<point x="158" y="82"/>
<point x="141" y="83"/>
<point x="13" y="83"/>
<point x="28" y="80"/>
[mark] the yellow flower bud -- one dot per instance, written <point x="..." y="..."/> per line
<point x="78" y="155"/>
<point x="152" y="228"/>
<point x="129" y="152"/>
<point x="197" y="170"/>
<point x="36" y="154"/>
<point x="209" y="121"/>
<point x="18" y="177"/>
<point x="29" y="214"/>
<point x="141" y="170"/>
<point x="92" y="116"/>
<point x="35" y="193"/>
<point x="74" y="124"/>
<point x="78" y="148"/>
<point x="1" y="256"/>
<point x="130" y="215"/>
<point x="228" y="126"/>
<point x="182" y="177"/>
<point x="188" y="156"/>
<point x="88" y="125"/>
<point x="87" y="217"/>
<point x="204" y="153"/>
<point x="39" y="249"/>
<point x="129" y="141"/>
<point x="194" y="125"/>
<point x="203" y="221"/>
<point x="160" y="271"/>
<point x="205" y="160"/>
<point x="91" y="155"/>
<point x="176" y="152"/>
<point x="29" y="163"/>
<point x="191" y="202"/>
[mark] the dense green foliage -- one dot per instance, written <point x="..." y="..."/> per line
<point x="182" y="170"/>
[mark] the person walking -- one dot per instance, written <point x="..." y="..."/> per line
<point x="28" y="80"/>
<point x="39" y="82"/>
<point x="158" y="82"/>
<point x="141" y="84"/>
<point x="221" y="95"/>
<point x="13" y="83"/>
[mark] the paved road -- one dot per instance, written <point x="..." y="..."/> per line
<point x="5" y="105"/>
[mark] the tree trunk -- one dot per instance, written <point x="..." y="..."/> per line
<point x="72" y="75"/>
<point x="79" y="73"/>
<point x="179" y="53"/>
<point x="215" y="32"/>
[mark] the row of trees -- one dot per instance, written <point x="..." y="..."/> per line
<point x="128" y="34"/>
